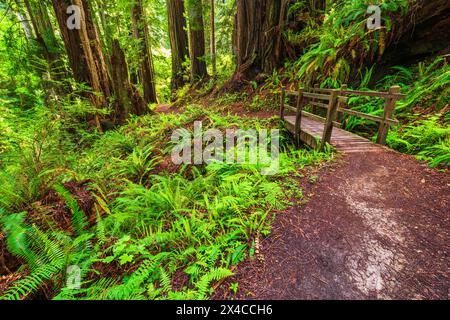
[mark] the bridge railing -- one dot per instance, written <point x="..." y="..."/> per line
<point x="334" y="101"/>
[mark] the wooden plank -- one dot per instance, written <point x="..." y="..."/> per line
<point x="313" y="116"/>
<point x="373" y="94"/>
<point x="317" y="96"/>
<point x="306" y="135"/>
<point x="367" y="116"/>
<point x="290" y="123"/>
<point x="344" y="141"/>
<point x="290" y="108"/>
<point x="318" y="104"/>
<point x="346" y="91"/>
<point x="322" y="90"/>
<point x="317" y="131"/>
<point x="291" y="93"/>
<point x="341" y="98"/>
<point x="319" y="118"/>
<point x="310" y="139"/>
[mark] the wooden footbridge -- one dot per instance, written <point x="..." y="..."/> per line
<point x="317" y="131"/>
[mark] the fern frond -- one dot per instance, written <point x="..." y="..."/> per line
<point x="79" y="221"/>
<point x="165" y="281"/>
<point x="215" y="274"/>
<point x="31" y="283"/>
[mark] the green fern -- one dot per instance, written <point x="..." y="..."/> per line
<point x="203" y="286"/>
<point x="79" y="220"/>
<point x="165" y="281"/>
<point x="31" y="283"/>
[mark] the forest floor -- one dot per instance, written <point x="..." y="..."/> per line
<point x="374" y="225"/>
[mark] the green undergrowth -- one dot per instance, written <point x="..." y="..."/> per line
<point x="340" y="42"/>
<point x="428" y="139"/>
<point x="424" y="113"/>
<point x="155" y="230"/>
<point x="338" y="49"/>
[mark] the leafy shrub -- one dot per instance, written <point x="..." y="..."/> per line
<point x="426" y="138"/>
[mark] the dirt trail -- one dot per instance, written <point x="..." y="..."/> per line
<point x="377" y="226"/>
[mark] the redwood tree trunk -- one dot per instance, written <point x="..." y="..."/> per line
<point x="178" y="42"/>
<point x="146" y="72"/>
<point x="84" y="51"/>
<point x="197" y="40"/>
<point x="128" y="99"/>
<point x="256" y="34"/>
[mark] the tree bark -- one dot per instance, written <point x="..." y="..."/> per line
<point x="146" y="72"/>
<point x="84" y="51"/>
<point x="197" y="40"/>
<point x="104" y="28"/>
<point x="128" y="99"/>
<point x="256" y="30"/>
<point x="178" y="42"/>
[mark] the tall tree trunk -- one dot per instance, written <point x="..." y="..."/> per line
<point x="146" y="72"/>
<point x="45" y="36"/>
<point x="178" y="42"/>
<point x="96" y="48"/>
<point x="24" y="22"/>
<point x="128" y="99"/>
<point x="213" y="40"/>
<point x="197" y="40"/>
<point x="256" y="32"/>
<point x="84" y="51"/>
<point x="105" y="31"/>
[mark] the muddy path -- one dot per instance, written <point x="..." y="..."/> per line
<point x="376" y="226"/>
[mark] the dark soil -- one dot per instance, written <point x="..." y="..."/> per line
<point x="376" y="226"/>
<point x="53" y="210"/>
<point x="8" y="263"/>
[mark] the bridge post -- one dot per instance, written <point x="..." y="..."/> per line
<point x="331" y="116"/>
<point x="298" y="118"/>
<point x="383" y="129"/>
<point x="314" y="108"/>
<point x="283" y="97"/>
<point x="340" y="115"/>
